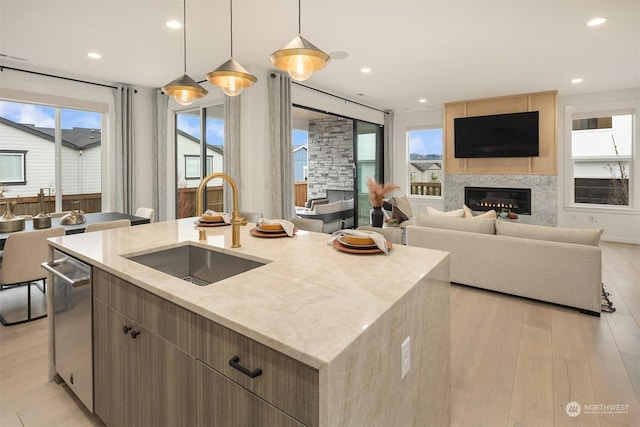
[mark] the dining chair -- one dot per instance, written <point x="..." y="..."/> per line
<point x="308" y="224"/>
<point x="107" y="225"/>
<point x="23" y="253"/>
<point x="250" y="216"/>
<point x="146" y="213"/>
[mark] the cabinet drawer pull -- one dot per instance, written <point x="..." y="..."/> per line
<point x="235" y="363"/>
<point x="134" y="334"/>
<point x="126" y="329"/>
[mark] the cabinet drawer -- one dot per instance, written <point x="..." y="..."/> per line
<point x="284" y="382"/>
<point x="163" y="318"/>
<point x="221" y="402"/>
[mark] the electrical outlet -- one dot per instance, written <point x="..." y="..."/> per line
<point x="406" y="356"/>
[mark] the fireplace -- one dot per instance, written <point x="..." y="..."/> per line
<point x="517" y="200"/>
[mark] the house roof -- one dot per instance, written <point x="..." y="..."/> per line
<point x="217" y="148"/>
<point x="424" y="166"/>
<point x="75" y="138"/>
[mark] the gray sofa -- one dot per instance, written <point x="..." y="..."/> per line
<point x="561" y="266"/>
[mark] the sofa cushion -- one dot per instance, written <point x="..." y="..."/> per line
<point x="458" y="213"/>
<point x="473" y="225"/>
<point x="401" y="208"/>
<point x="328" y="208"/>
<point x="553" y="234"/>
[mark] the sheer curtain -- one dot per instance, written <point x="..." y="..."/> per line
<point x="125" y="149"/>
<point x="281" y="146"/>
<point x="231" y="158"/>
<point x="388" y="147"/>
<point x="160" y="104"/>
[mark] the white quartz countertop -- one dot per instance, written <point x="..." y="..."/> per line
<point x="310" y="301"/>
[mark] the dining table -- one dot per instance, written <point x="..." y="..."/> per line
<point x="79" y="228"/>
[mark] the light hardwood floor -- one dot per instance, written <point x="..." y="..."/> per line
<point x="515" y="362"/>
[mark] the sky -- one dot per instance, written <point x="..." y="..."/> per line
<point x="425" y="141"/>
<point x="44" y="116"/>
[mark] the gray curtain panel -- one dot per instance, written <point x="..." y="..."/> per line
<point x="160" y="105"/>
<point x="125" y="149"/>
<point x="231" y="158"/>
<point x="283" y="191"/>
<point x="388" y="147"/>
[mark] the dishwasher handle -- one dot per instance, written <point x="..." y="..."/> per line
<point x="74" y="283"/>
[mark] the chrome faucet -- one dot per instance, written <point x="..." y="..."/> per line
<point x="236" y="220"/>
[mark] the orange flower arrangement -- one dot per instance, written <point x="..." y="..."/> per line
<point x="377" y="191"/>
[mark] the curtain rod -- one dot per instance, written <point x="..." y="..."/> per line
<point x="339" y="97"/>
<point x="2" y="68"/>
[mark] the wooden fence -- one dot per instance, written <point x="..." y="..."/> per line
<point x="88" y="203"/>
<point x="301" y="193"/>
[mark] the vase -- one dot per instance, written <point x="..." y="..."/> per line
<point x="377" y="217"/>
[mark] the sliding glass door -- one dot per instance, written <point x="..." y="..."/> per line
<point x="368" y="143"/>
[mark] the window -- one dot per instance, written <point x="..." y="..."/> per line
<point x="70" y="136"/>
<point x="13" y="165"/>
<point x="425" y="161"/>
<point x="199" y="134"/>
<point x="601" y="151"/>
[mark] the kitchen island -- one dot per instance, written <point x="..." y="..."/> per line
<point x="339" y="320"/>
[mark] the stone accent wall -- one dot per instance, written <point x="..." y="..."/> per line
<point x="330" y="156"/>
<point x="544" y="193"/>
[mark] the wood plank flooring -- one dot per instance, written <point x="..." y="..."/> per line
<point x="515" y="362"/>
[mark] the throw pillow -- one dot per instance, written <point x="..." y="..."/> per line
<point x="468" y="213"/>
<point x="458" y="213"/>
<point x="539" y="232"/>
<point x="401" y="209"/>
<point x="476" y="225"/>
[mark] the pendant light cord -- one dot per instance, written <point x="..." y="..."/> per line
<point x="231" y="24"/>
<point x="184" y="33"/>
<point x="299" y="19"/>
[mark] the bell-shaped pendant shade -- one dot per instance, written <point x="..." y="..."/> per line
<point x="184" y="89"/>
<point x="231" y="77"/>
<point x="300" y="58"/>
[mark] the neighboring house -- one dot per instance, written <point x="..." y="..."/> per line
<point x="421" y="171"/>
<point x="300" y="162"/>
<point x="27" y="156"/>
<point x="188" y="160"/>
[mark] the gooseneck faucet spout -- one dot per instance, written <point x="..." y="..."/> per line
<point x="236" y="220"/>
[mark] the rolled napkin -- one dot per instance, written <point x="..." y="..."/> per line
<point x="378" y="239"/>
<point x="286" y="225"/>
<point x="209" y="213"/>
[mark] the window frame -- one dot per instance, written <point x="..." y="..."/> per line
<point x="593" y="111"/>
<point x="23" y="154"/>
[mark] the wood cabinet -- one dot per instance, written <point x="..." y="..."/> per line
<point x="222" y="402"/>
<point x="141" y="379"/>
<point x="157" y="364"/>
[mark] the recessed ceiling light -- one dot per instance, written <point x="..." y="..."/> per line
<point x="94" y="55"/>
<point x="422" y="100"/>
<point x="174" y="25"/>
<point x="596" y="21"/>
<point x="576" y="80"/>
<point x="365" y="70"/>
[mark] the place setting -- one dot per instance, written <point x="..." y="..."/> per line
<point x="213" y="219"/>
<point x="273" y="228"/>
<point x="359" y="242"/>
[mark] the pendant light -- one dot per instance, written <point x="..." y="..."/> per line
<point x="184" y="88"/>
<point x="300" y="58"/>
<point x="231" y="77"/>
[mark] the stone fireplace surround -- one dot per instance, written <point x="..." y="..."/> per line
<point x="544" y="193"/>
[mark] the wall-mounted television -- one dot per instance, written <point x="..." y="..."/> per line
<point x="500" y="135"/>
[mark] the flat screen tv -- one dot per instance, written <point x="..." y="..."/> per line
<point x="501" y="135"/>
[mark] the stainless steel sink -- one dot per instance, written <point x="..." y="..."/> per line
<point x="196" y="265"/>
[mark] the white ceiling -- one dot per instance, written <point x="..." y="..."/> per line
<point x="443" y="50"/>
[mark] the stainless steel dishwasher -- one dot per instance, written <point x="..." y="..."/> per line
<point x="72" y="324"/>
